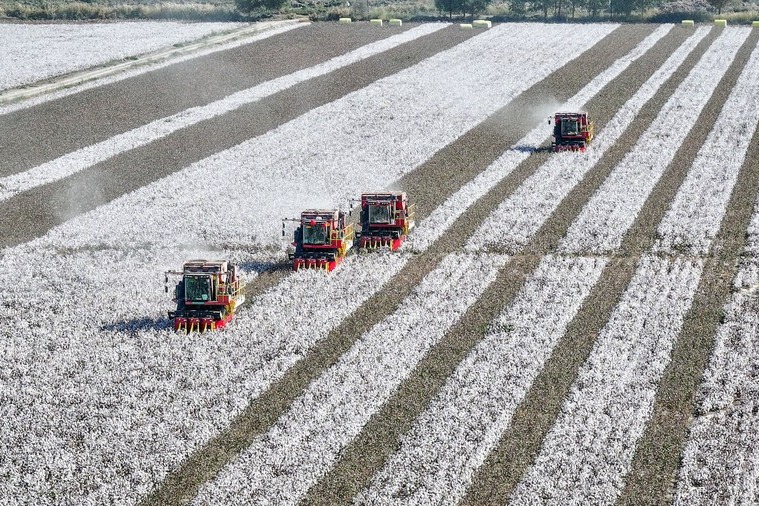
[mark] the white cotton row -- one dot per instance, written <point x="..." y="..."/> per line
<point x="102" y="399"/>
<point x="520" y="216"/>
<point x="280" y="466"/>
<point x="720" y="463"/>
<point x="456" y="205"/>
<point x="588" y="452"/>
<point x="694" y="218"/>
<point x="611" y="211"/>
<point x="86" y="157"/>
<point x="34" y="52"/>
<point x="462" y="425"/>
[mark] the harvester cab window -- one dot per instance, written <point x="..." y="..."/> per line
<point x="379" y="213"/>
<point x="316" y="234"/>
<point x="197" y="288"/>
<point x="570" y="126"/>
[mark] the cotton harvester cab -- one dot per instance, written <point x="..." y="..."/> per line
<point x="572" y="131"/>
<point x="207" y="295"/>
<point x="386" y="220"/>
<point x="322" y="239"/>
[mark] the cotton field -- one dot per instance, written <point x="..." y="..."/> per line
<point x="523" y="346"/>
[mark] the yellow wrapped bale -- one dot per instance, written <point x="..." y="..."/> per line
<point x="482" y="23"/>
<point x="688" y="22"/>
<point x="755" y="24"/>
<point x="720" y="22"/>
<point x="465" y="26"/>
<point x="396" y="22"/>
<point x="344" y="21"/>
<point x="377" y="22"/>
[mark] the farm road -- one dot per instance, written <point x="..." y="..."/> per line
<point x="44" y="132"/>
<point x="34" y="212"/>
<point x="460" y="162"/>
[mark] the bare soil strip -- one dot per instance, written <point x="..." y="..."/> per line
<point x="657" y="460"/>
<point x="36" y="211"/>
<point x="380" y="437"/>
<point x="85" y="118"/>
<point x="522" y="442"/>
<point x="458" y="162"/>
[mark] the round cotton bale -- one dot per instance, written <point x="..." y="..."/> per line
<point x="482" y="23"/>
<point x="344" y="21"/>
<point x="720" y="22"/>
<point x="377" y="22"/>
<point x="688" y="22"/>
<point x="465" y="26"/>
<point x="396" y="22"/>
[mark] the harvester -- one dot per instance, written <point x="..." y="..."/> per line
<point x="207" y="295"/>
<point x="572" y="131"/>
<point x="322" y="239"/>
<point x="386" y="220"/>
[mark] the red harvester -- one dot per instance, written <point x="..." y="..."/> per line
<point x="572" y="131"/>
<point x="386" y="220"/>
<point x="322" y="240"/>
<point x="207" y="296"/>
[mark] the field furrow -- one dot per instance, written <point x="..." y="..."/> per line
<point x="463" y="423"/>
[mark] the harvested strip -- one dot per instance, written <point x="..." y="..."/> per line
<point x="282" y="464"/>
<point x="456" y="205"/>
<point x="696" y="214"/>
<point x="587" y="453"/>
<point x="721" y="459"/>
<point x="659" y="453"/>
<point x="116" y="407"/>
<point x="463" y="423"/>
<point x="84" y="158"/>
<point x="613" y="209"/>
<point x="98" y="113"/>
<point x="519" y="217"/>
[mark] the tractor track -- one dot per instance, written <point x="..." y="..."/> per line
<point x="34" y="212"/>
<point x="93" y="115"/>
<point x="656" y="464"/>
<point x="460" y="162"/>
<point x="522" y="442"/>
<point x="362" y="459"/>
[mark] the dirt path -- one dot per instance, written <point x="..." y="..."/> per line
<point x="657" y="460"/>
<point x="38" y="134"/>
<point x="459" y="162"/>
<point x="34" y="212"/>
